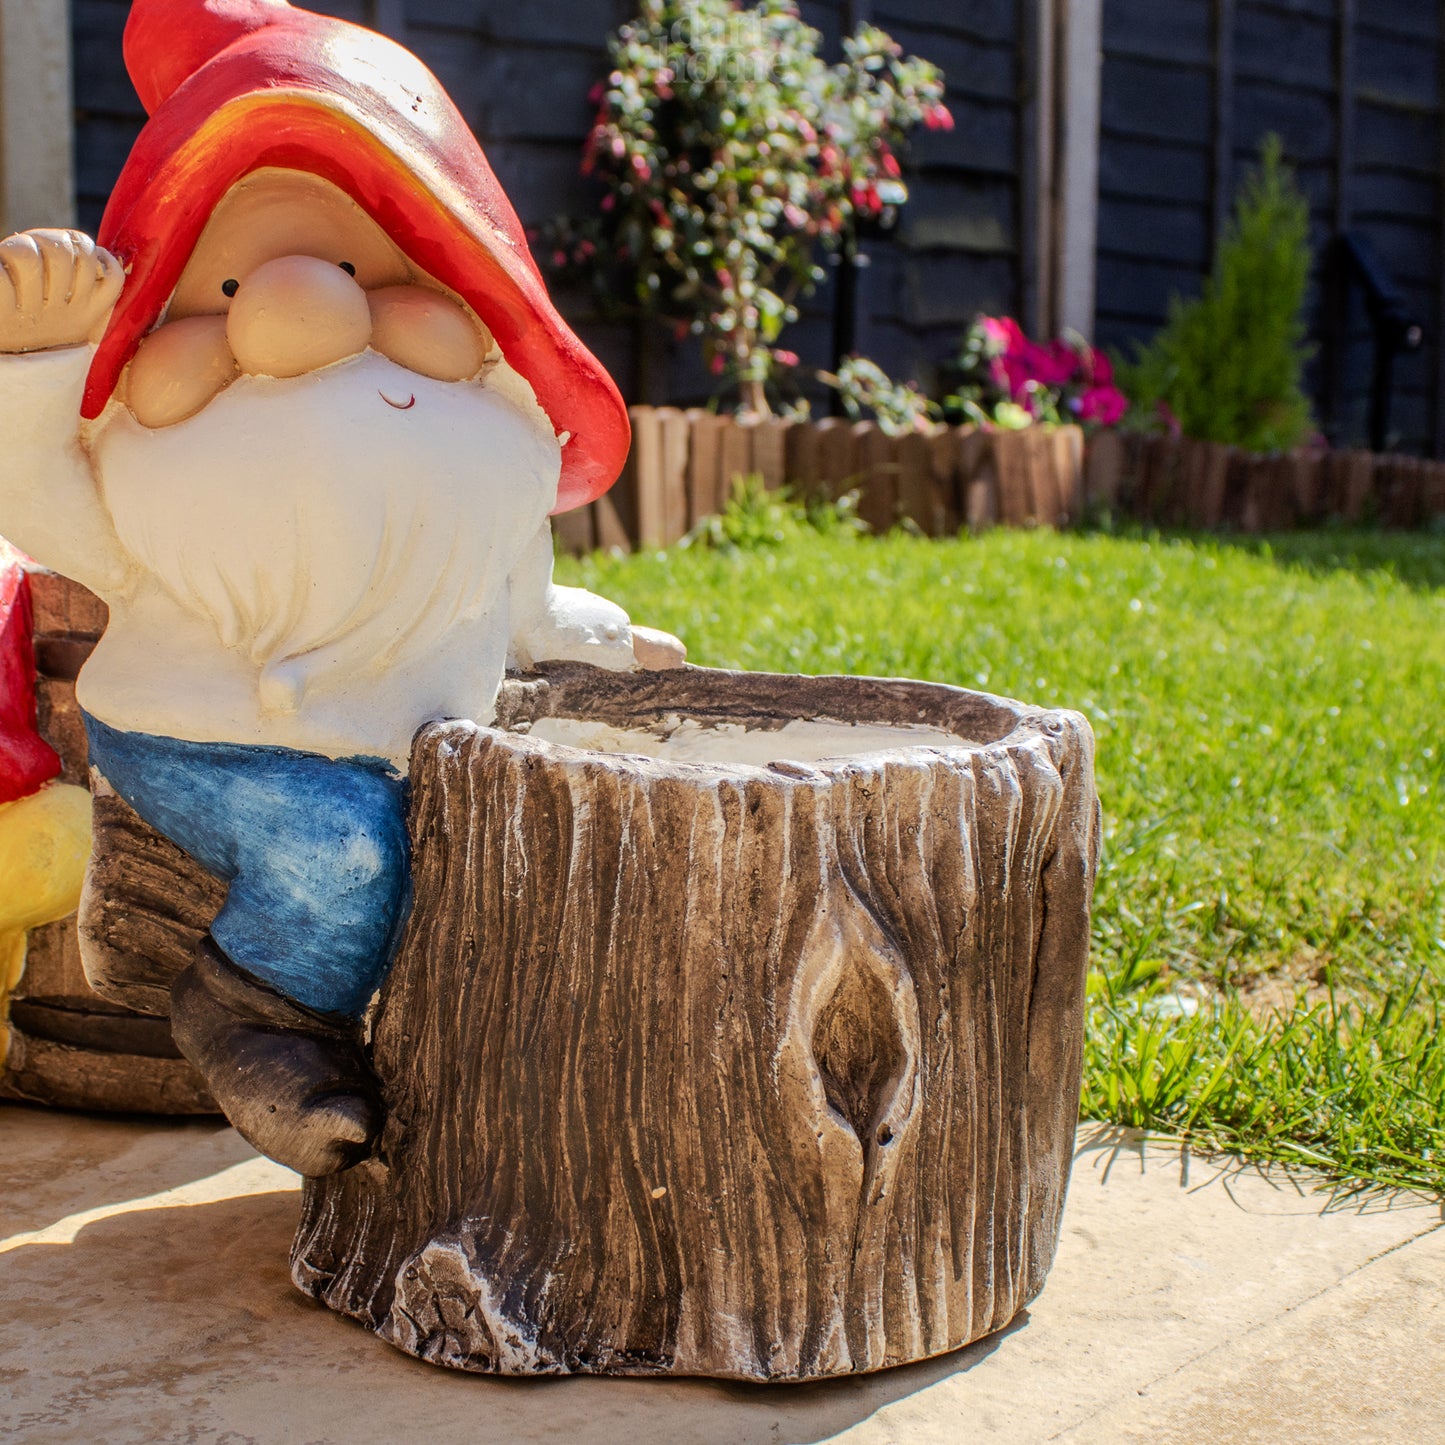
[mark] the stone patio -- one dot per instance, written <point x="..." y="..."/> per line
<point x="146" y="1298"/>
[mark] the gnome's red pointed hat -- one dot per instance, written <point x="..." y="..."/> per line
<point x="233" y="86"/>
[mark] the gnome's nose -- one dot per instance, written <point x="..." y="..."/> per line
<point x="295" y="315"/>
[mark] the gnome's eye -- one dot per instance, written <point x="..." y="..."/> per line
<point x="229" y="288"/>
<point x="348" y="268"/>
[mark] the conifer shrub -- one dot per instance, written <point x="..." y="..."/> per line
<point x="1229" y="366"/>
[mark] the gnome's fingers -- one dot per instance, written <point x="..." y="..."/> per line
<point x="23" y="263"/>
<point x="109" y="282"/>
<point x="58" y="259"/>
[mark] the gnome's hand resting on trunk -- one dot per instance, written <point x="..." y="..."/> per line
<point x="57" y="288"/>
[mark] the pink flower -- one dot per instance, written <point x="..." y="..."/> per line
<point x="724" y="277"/>
<point x="796" y="218"/>
<point x="867" y="200"/>
<point x="786" y="358"/>
<point x="559" y="258"/>
<point x="1051" y="365"/>
<point x="717" y="365"/>
<point x="938" y="117"/>
<point x="1103" y="369"/>
<point x="1102" y="405"/>
<point x="644" y="171"/>
<point x="1010" y="374"/>
<point x="608" y="202"/>
<point x="890" y="166"/>
<point x="1003" y="334"/>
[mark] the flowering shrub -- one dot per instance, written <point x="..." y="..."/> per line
<point x="1013" y="382"/>
<point x="731" y="155"/>
<point x="865" y="388"/>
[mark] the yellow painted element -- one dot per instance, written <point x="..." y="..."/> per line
<point x="12" y="965"/>
<point x="44" y="848"/>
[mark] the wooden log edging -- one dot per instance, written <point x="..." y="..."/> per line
<point x="684" y="463"/>
<point x="764" y="1073"/>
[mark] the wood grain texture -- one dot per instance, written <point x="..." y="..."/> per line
<point x="145" y="908"/>
<point x="70" y="1047"/>
<point x="762" y="1073"/>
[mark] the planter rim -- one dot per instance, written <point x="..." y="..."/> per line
<point x="760" y="702"/>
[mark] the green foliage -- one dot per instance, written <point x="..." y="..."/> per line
<point x="1271" y="769"/>
<point x="732" y="154"/>
<point x="867" y="390"/>
<point x="1229" y="366"/>
<point x="1355" y="1089"/>
<point x="755" y="517"/>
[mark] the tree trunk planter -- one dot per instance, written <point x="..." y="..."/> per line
<point x="762" y="1070"/>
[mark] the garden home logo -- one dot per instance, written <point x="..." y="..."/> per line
<point x="729" y="48"/>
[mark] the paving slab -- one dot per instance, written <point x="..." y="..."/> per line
<point x="144" y="1297"/>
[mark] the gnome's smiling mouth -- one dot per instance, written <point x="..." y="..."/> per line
<point x="399" y="405"/>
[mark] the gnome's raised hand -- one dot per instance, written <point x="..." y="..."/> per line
<point x="57" y="288"/>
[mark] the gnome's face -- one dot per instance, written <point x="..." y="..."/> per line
<point x="290" y="277"/>
<point x="320" y="450"/>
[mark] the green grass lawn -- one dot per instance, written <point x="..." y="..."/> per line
<point x="1269" y="932"/>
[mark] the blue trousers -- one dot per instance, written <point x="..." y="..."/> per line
<point x="315" y="852"/>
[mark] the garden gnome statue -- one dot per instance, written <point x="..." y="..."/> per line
<point x="44" y="823"/>
<point x="299" y="417"/>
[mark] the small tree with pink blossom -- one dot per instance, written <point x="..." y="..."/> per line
<point x="733" y="155"/>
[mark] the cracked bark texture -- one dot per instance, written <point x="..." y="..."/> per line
<point x="767" y="1073"/>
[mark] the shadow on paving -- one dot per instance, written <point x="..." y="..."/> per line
<point x="182" y="1322"/>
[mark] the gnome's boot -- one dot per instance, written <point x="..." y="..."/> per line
<point x="292" y="1082"/>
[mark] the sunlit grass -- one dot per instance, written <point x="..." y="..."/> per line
<point x="1271" y="766"/>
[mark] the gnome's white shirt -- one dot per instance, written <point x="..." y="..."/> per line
<point x="323" y="563"/>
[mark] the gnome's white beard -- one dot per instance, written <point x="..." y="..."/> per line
<point x="327" y="535"/>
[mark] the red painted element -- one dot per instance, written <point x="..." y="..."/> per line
<point x="166" y="43"/>
<point x="266" y="84"/>
<point x="27" y="762"/>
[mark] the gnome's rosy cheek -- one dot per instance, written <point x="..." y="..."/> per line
<point x="178" y="369"/>
<point x="428" y="332"/>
